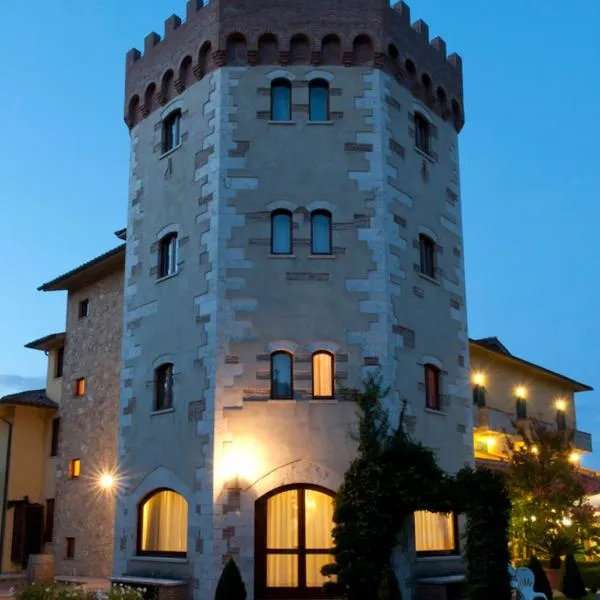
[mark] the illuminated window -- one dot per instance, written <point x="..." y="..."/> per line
<point x="322" y="375"/>
<point x="432" y="387"/>
<point x="318" y="100"/>
<point x="84" y="308"/>
<point x="59" y="357"/>
<point x="320" y="232"/>
<point x="281" y="232"/>
<point x="427" y="255"/>
<point x="164" y="387"/>
<point x="74" y="468"/>
<point x="171" y="134"/>
<point x="163" y="524"/>
<point x="435" y="533"/>
<point x="294" y="541"/>
<point x="80" y="386"/>
<point x="281" y="100"/>
<point x="70" y="547"/>
<point x="422" y="132"/>
<point x="167" y="259"/>
<point x="281" y="375"/>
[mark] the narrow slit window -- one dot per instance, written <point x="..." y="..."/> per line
<point x="281" y="100"/>
<point x="171" y="131"/>
<point x="320" y="232"/>
<point x="74" y="468"/>
<point x="281" y="375"/>
<point x="70" y="547"/>
<point x="281" y="232"/>
<point x="167" y="260"/>
<point x="432" y="387"/>
<point x="322" y="375"/>
<point x="427" y="255"/>
<point x="318" y="99"/>
<point x="422" y="133"/>
<point x="80" y="386"/>
<point x="164" y="387"/>
<point x="59" y="358"/>
<point x="84" y="308"/>
<point x="55" y="436"/>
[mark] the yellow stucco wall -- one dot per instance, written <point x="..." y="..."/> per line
<point x="53" y="384"/>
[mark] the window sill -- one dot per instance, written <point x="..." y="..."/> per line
<point x="433" y="411"/>
<point x="170" y="276"/>
<point x="164" y="411"/>
<point x="161" y="559"/>
<point x="169" y="152"/>
<point x="425" y="154"/>
<point x="325" y="256"/>
<point x="444" y="557"/>
<point x="271" y="122"/>
<point x="271" y="255"/>
<point x="319" y="122"/>
<point x="428" y="278"/>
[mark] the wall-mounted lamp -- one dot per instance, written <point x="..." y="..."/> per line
<point x="561" y="405"/>
<point x="478" y="378"/>
<point x="521" y="392"/>
<point x="574" y="457"/>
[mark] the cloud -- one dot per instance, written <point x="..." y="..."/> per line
<point x="10" y="384"/>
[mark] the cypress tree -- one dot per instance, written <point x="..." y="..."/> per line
<point x="573" y="586"/>
<point x="231" y="586"/>
<point x="541" y="581"/>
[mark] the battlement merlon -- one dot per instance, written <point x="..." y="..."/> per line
<point x="398" y="46"/>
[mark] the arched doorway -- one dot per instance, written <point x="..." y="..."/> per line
<point x="292" y="541"/>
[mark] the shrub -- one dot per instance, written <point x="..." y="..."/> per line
<point x="573" y="586"/>
<point x="590" y="571"/>
<point x="53" y="591"/>
<point x="541" y="581"/>
<point x="388" y="587"/>
<point x="122" y="592"/>
<point x="231" y="585"/>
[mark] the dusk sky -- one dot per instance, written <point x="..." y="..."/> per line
<point x="530" y="175"/>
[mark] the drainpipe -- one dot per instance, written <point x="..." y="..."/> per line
<point x="5" y="500"/>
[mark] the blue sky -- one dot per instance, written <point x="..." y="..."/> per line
<point x="530" y="176"/>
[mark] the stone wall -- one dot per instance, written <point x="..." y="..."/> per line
<point x="88" y="429"/>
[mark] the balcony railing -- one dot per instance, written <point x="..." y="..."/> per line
<point x="492" y="419"/>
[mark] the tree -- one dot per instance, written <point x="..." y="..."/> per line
<point x="231" y="585"/>
<point x="573" y="586"/>
<point x="541" y="581"/>
<point x="550" y="513"/>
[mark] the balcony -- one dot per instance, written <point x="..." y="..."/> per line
<point x="582" y="441"/>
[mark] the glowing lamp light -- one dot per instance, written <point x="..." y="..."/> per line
<point x="521" y="392"/>
<point x="491" y="443"/>
<point x="106" y="481"/>
<point x="561" y="405"/>
<point x="478" y="378"/>
<point x="574" y="457"/>
<point x="535" y="450"/>
<point x="533" y="518"/>
<point x="567" y="522"/>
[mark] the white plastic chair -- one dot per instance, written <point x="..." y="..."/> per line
<point x="522" y="580"/>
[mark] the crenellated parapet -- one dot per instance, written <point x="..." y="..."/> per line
<point x="281" y="32"/>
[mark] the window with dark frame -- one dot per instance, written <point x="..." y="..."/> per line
<point x="79" y="386"/>
<point x="70" y="547"/>
<point x="84" y="308"/>
<point x="167" y="259"/>
<point x="164" y="387"/>
<point x="282" y="375"/>
<point x="320" y="232"/>
<point x="561" y="420"/>
<point x="436" y="534"/>
<point x="59" y="358"/>
<point x="54" y="440"/>
<point x="427" y="255"/>
<point x="49" y="521"/>
<point x="432" y="388"/>
<point x="281" y="100"/>
<point x="322" y="375"/>
<point x="521" y="408"/>
<point x="318" y="100"/>
<point x="281" y="232"/>
<point x="74" y="468"/>
<point x="171" y="131"/>
<point x="479" y="395"/>
<point x="422" y="133"/>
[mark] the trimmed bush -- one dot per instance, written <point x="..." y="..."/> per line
<point x="573" y="586"/>
<point x="231" y="585"/>
<point x="388" y="587"/>
<point x="541" y="581"/>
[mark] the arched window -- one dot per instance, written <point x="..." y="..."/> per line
<point x="167" y="255"/>
<point x="427" y="255"/>
<point x="293" y="541"/>
<point x="163" y="524"/>
<point x="281" y="375"/>
<point x="318" y="100"/>
<point x="435" y="533"/>
<point x="171" y="135"/>
<point x="322" y="374"/>
<point x="163" y="382"/>
<point x="281" y="100"/>
<point x="432" y="388"/>
<point x="422" y="132"/>
<point x="281" y="232"/>
<point x="320" y="232"/>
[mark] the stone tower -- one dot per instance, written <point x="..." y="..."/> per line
<point x="294" y="222"/>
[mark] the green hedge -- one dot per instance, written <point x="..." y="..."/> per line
<point x="590" y="571"/>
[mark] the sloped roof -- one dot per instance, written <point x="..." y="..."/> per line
<point x="48" y="342"/>
<point x="33" y="398"/>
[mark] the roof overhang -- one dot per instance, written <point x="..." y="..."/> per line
<point x="48" y="342"/>
<point x="30" y="398"/>
<point x="89" y="272"/>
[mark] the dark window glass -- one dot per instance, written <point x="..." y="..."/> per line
<point x="59" y="360"/>
<point x="70" y="547"/>
<point x="171" y="131"/>
<point x="164" y="387"/>
<point x="320" y="232"/>
<point x="281" y="232"/>
<point x="432" y="387"/>
<point x="479" y="395"/>
<point x="281" y="100"/>
<point x="167" y="262"/>
<point x="84" y="308"/>
<point x="55" y="437"/>
<point x="427" y="255"/>
<point x="521" y="408"/>
<point x="561" y="420"/>
<point x="318" y="96"/>
<point x="49" y="524"/>
<point x="281" y="375"/>
<point x="421" y="132"/>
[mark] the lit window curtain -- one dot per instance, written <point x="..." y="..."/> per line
<point x="164" y="523"/>
<point x="282" y="534"/>
<point x="282" y="375"/>
<point x="281" y="242"/>
<point x="319" y="525"/>
<point x="319" y="100"/>
<point x="432" y="387"/>
<point x="434" y="532"/>
<point x="322" y="375"/>
<point x="280" y="100"/>
<point x="321" y="233"/>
